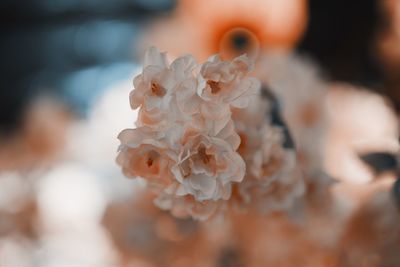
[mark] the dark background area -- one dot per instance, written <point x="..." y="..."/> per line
<point x="340" y="37"/>
<point x="75" y="48"/>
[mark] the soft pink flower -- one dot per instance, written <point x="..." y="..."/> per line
<point x="187" y="145"/>
<point x="227" y="82"/>
<point x="206" y="168"/>
<point x="154" y="89"/>
<point x="220" y="86"/>
<point x="273" y="180"/>
<point x="144" y="154"/>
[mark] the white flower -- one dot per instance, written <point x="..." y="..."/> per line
<point x="144" y="154"/>
<point x="155" y="87"/>
<point x="206" y="168"/>
<point x="219" y="86"/>
<point x="227" y="82"/>
<point x="186" y="144"/>
<point x="154" y="84"/>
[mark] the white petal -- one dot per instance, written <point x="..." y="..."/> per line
<point x="203" y="183"/>
<point x="153" y="57"/>
<point x="183" y="66"/>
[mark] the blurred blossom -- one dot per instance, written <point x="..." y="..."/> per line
<point x="71" y="204"/>
<point x="70" y="196"/>
<point x="360" y="122"/>
<point x="14" y="192"/>
<point x="17" y="252"/>
<point x="301" y="94"/>
<point x="19" y="221"/>
<point x="85" y="246"/>
<point x="229" y="27"/>
<point x="40" y="140"/>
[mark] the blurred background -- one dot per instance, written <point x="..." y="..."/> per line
<point x="74" y="49"/>
<point x="66" y="72"/>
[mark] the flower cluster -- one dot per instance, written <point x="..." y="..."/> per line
<point x="273" y="180"/>
<point x="187" y="144"/>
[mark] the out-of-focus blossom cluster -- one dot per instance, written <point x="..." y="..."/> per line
<point x="293" y="79"/>
<point x="198" y="145"/>
<point x="273" y="176"/>
<point x="230" y="27"/>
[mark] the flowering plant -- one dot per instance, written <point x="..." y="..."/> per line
<point x="192" y="144"/>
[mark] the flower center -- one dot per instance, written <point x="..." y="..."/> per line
<point x="157" y="89"/>
<point x="215" y="86"/>
<point x="203" y="154"/>
<point x="151" y="157"/>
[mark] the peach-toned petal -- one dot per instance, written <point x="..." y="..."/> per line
<point x="154" y="58"/>
<point x="203" y="183"/>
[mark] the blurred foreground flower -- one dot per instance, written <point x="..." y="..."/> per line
<point x="230" y="27"/>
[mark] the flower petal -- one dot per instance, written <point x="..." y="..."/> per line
<point x="205" y="184"/>
<point x="153" y="57"/>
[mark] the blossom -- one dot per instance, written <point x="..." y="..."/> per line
<point x="155" y="82"/>
<point x="227" y="81"/>
<point x="206" y="167"/>
<point x="143" y="153"/>
<point x="155" y="87"/>
<point x="191" y="183"/>
<point x="219" y="87"/>
<point x="199" y="144"/>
